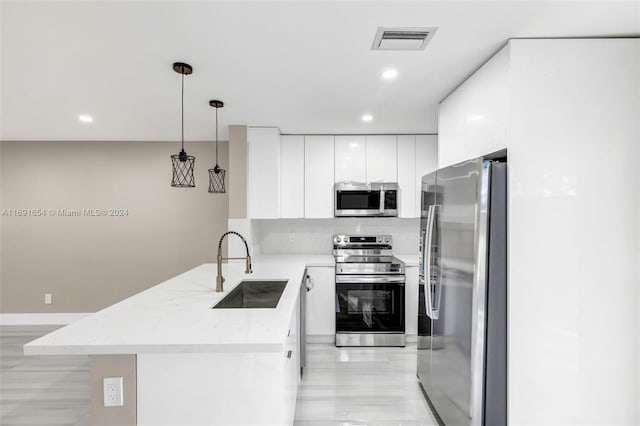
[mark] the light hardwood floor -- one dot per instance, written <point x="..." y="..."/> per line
<point x="341" y="386"/>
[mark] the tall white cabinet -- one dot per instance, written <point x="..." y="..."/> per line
<point x="291" y="176"/>
<point x="263" y="172"/>
<point x="318" y="176"/>
<point x="567" y="111"/>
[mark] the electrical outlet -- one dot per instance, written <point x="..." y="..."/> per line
<point x="47" y="298"/>
<point x="292" y="237"/>
<point x="112" y="391"/>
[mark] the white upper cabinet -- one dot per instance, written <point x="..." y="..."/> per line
<point x="472" y="121"/>
<point x="381" y="158"/>
<point x="350" y="159"/>
<point x="486" y="109"/>
<point x="407" y="175"/>
<point x="426" y="161"/>
<point x="263" y="172"/>
<point x="318" y="176"/>
<point x="452" y="130"/>
<point x="292" y="176"/>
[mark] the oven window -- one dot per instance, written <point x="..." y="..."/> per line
<point x="367" y="301"/>
<point x="358" y="200"/>
<point x="369" y="307"/>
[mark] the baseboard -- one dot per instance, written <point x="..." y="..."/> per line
<point x="40" y="319"/>
<point x="321" y="338"/>
<point x="331" y="338"/>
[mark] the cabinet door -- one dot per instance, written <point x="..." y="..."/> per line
<point x="411" y="300"/>
<point x="381" y="158"/>
<point x="407" y="175"/>
<point x="318" y="176"/>
<point x="291" y="370"/>
<point x="350" y="159"/>
<point x="486" y="107"/>
<point x="263" y="174"/>
<point x="426" y="161"/>
<point x="321" y="302"/>
<point x="292" y="176"/>
<point x="452" y="129"/>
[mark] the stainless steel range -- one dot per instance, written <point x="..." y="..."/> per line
<point x="370" y="295"/>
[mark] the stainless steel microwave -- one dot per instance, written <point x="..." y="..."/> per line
<point x="374" y="199"/>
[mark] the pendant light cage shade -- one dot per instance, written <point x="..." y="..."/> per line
<point x="183" y="165"/>
<point x="216" y="180"/>
<point x="216" y="174"/>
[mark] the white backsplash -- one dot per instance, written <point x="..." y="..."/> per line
<point x="314" y="236"/>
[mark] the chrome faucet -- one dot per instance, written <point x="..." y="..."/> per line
<point x="220" y="278"/>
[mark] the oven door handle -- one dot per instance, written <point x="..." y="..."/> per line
<point x="380" y="279"/>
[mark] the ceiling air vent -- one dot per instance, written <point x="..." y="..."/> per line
<point x="402" y="38"/>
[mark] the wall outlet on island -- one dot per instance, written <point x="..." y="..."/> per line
<point x="292" y="237"/>
<point x="112" y="390"/>
<point x="47" y="299"/>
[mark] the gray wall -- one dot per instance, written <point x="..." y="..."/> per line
<point x="89" y="263"/>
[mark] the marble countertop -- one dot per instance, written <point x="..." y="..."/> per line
<point x="176" y="316"/>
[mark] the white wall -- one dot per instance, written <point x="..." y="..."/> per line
<point x="89" y="263"/>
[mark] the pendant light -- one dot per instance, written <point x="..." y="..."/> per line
<point x="216" y="175"/>
<point x="181" y="163"/>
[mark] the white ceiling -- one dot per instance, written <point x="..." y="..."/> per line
<point x="303" y="66"/>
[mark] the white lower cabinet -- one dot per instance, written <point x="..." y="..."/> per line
<point x="411" y="300"/>
<point x="291" y="369"/>
<point x="321" y="303"/>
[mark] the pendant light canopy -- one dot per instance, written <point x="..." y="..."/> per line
<point x="181" y="163"/>
<point x="216" y="174"/>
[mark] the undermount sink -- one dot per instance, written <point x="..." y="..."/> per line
<point x="253" y="294"/>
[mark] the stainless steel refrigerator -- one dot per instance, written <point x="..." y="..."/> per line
<point x="462" y="313"/>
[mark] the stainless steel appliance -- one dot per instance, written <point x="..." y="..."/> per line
<point x="370" y="294"/>
<point x="365" y="199"/>
<point x="462" y="317"/>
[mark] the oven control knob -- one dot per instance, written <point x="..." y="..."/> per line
<point x="386" y="239"/>
<point x="379" y="239"/>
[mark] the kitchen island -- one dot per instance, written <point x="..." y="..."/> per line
<point x="195" y="365"/>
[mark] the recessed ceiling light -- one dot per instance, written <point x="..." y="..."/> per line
<point x="85" y="118"/>
<point x="390" y="74"/>
<point x="367" y="117"/>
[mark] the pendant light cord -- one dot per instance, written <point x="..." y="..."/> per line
<point x="182" y="107"/>
<point x="216" y="136"/>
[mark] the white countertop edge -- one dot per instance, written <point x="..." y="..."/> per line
<point x="150" y="349"/>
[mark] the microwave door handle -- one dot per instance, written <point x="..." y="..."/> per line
<point x="382" y="194"/>
<point x="427" y="266"/>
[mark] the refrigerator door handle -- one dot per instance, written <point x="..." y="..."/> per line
<point x="438" y="282"/>
<point x="428" y="300"/>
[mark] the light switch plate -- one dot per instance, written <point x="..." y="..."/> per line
<point x="112" y="391"/>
